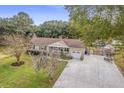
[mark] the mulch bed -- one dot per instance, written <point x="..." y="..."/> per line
<point x="18" y="63"/>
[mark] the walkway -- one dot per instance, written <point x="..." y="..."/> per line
<point x="93" y="71"/>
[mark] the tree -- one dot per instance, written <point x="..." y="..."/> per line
<point x="18" y="23"/>
<point x="6" y="25"/>
<point x="39" y="59"/>
<point x="53" y="29"/>
<point x="23" y="22"/>
<point x="17" y="46"/>
<point x="93" y="22"/>
<point x="80" y="21"/>
<point x="44" y="60"/>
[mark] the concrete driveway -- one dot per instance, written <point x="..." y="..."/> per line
<point x="92" y="72"/>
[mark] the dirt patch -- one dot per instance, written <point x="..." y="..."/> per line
<point x="2" y="55"/>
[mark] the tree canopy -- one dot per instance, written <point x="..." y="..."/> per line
<point x="18" y="23"/>
<point x="97" y="22"/>
<point x="53" y="29"/>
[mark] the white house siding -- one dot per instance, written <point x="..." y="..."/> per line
<point x="58" y="44"/>
<point x="36" y="47"/>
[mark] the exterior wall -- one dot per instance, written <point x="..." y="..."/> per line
<point x="47" y="48"/>
<point x="58" y="44"/>
<point x="58" y="50"/>
<point x="75" y="49"/>
<point x="37" y="47"/>
<point x="34" y="47"/>
<point x="75" y="52"/>
<point x="58" y="47"/>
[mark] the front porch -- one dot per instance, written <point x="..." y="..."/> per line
<point x="59" y="50"/>
<point x="50" y="49"/>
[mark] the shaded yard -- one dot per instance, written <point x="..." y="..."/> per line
<point x="25" y="76"/>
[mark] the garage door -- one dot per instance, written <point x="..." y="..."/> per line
<point x="76" y="54"/>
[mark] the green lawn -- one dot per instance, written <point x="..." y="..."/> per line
<point x="119" y="61"/>
<point x="24" y="76"/>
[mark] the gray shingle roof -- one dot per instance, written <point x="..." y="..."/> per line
<point x="76" y="43"/>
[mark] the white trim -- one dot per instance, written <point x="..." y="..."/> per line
<point x="58" y="44"/>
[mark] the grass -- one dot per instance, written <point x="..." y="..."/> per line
<point x="66" y="58"/>
<point x="25" y="76"/>
<point x="119" y="61"/>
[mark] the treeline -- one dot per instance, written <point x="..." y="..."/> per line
<point x="54" y="29"/>
<point x="23" y="24"/>
<point x="20" y="23"/>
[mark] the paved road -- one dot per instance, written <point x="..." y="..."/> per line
<point x="92" y="72"/>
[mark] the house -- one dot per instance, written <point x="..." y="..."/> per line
<point x="69" y="47"/>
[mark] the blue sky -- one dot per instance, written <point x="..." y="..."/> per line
<point x="39" y="14"/>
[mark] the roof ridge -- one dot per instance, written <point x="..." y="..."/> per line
<point x="59" y="38"/>
<point x="47" y="41"/>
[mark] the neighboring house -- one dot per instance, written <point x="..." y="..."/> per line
<point x="116" y="42"/>
<point x="69" y="47"/>
<point x="110" y="48"/>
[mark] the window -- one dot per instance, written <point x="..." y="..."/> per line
<point x="36" y="47"/>
<point x="68" y="49"/>
<point x="65" y="49"/>
<point x="61" y="49"/>
<point x="33" y="46"/>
